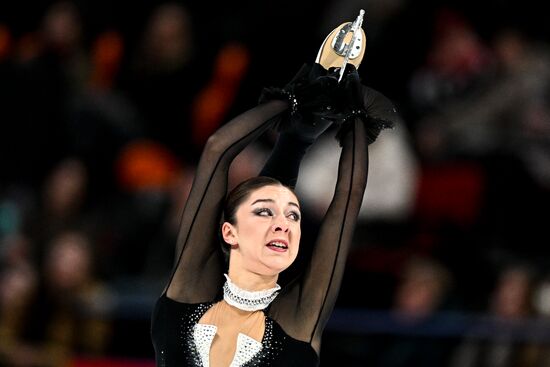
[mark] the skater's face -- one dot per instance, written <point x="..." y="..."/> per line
<point x="265" y="235"/>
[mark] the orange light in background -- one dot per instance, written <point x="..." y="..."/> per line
<point x="214" y="101"/>
<point x="232" y="62"/>
<point x="146" y="165"/>
<point x="107" y="54"/>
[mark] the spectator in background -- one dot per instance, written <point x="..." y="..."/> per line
<point x="65" y="203"/>
<point x="18" y="282"/>
<point x="455" y="65"/>
<point x="164" y="76"/>
<point x="66" y="316"/>
<point x="518" y="105"/>
<point x="62" y="203"/>
<point x="102" y="119"/>
<point x="508" y="113"/>
<point x="147" y="172"/>
<point x="420" y="294"/>
<point x="504" y="345"/>
<point x="422" y="289"/>
<point x="17" y="286"/>
<point x="498" y="130"/>
<point x="49" y="67"/>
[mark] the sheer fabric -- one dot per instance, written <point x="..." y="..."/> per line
<point x="303" y="307"/>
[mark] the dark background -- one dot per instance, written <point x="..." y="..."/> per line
<point x="421" y="288"/>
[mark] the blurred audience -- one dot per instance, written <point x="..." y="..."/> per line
<point x="18" y="284"/>
<point x="164" y="75"/>
<point x="422" y="289"/>
<point x="420" y="294"/>
<point x="475" y="104"/>
<point x="456" y="61"/>
<point x="62" y="204"/>
<point x="146" y="173"/>
<point x="504" y="346"/>
<point x="65" y="316"/>
<point x="48" y="67"/>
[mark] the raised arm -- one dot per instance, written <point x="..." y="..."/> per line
<point x="199" y="266"/>
<point x="304" y="309"/>
<point x="305" y="306"/>
<point x="301" y="128"/>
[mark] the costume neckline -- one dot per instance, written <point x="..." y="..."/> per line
<point x="248" y="300"/>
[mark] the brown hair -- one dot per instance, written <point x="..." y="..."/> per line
<point x="237" y="196"/>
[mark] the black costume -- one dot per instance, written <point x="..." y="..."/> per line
<point x="296" y="318"/>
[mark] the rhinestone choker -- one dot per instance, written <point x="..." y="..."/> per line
<point x="247" y="300"/>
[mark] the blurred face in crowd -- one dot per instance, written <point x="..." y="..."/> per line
<point x="168" y="35"/>
<point x="422" y="288"/>
<point x="66" y="187"/>
<point x="68" y="263"/>
<point x="61" y="26"/>
<point x="265" y="236"/>
<point x="512" y="294"/>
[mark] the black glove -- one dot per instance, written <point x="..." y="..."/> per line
<point x="309" y="94"/>
<point x="318" y="100"/>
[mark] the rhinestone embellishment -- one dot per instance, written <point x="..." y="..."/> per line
<point x="247" y="347"/>
<point x="247" y="300"/>
<point x="203" y="336"/>
<point x="196" y="341"/>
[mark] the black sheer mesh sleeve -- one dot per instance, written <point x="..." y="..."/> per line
<point x="198" y="272"/>
<point x="304" y="306"/>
